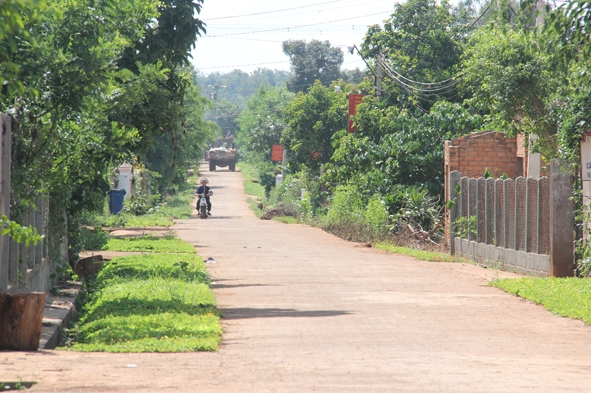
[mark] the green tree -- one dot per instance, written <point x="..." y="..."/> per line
<point x="239" y="85"/>
<point x="80" y="111"/>
<point x="406" y="149"/>
<point x="262" y="122"/>
<point x="312" y="61"/>
<point x="14" y="14"/>
<point x="511" y="80"/>
<point x="312" y="120"/>
<point x="171" y="158"/>
<point x="422" y="41"/>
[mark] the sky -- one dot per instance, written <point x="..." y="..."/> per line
<point x="247" y="35"/>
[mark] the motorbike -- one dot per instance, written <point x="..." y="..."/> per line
<point x="202" y="206"/>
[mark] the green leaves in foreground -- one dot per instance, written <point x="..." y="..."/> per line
<point x="149" y="303"/>
<point x="149" y="244"/>
<point x="567" y="297"/>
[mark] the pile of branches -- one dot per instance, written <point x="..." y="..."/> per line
<point x="280" y="210"/>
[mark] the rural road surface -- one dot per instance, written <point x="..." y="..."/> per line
<point x="307" y="312"/>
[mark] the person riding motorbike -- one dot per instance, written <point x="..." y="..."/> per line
<point x="206" y="191"/>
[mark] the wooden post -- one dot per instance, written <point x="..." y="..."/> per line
<point x="21" y="316"/>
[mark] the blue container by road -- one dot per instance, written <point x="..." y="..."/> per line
<point x="116" y="198"/>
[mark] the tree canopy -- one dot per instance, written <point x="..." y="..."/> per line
<point x="311" y="61"/>
<point x="100" y="83"/>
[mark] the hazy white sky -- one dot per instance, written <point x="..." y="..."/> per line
<point x="247" y="35"/>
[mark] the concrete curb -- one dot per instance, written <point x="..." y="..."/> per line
<point x="59" y="311"/>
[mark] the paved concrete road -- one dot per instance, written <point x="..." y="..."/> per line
<point x="305" y="311"/>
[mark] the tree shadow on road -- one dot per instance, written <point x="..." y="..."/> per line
<point x="245" y="313"/>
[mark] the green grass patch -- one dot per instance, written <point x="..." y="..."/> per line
<point x="250" y="173"/>
<point x="567" y="297"/>
<point x="429" y="256"/>
<point x="149" y="243"/>
<point x="287" y="219"/>
<point x="149" y="303"/>
<point x="180" y="206"/>
<point x="148" y="220"/>
<point x="253" y="204"/>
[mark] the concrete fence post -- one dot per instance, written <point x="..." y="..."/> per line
<point x="472" y="205"/>
<point x="39" y="225"/>
<point x="532" y="211"/>
<point x="454" y="179"/>
<point x="490" y="211"/>
<point x="5" y="160"/>
<point x="544" y="216"/>
<point x="498" y="213"/>
<point x="561" y="222"/>
<point x="30" y="250"/>
<point x="481" y="209"/>
<point x="520" y="213"/>
<point x="528" y="190"/>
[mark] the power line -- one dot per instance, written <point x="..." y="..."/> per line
<point x="273" y="62"/>
<point x="245" y="65"/>
<point x="270" y="14"/>
<point x="275" y="11"/>
<point x="430" y="88"/>
<point x="297" y="26"/>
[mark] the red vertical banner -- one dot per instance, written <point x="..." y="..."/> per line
<point x="354" y="100"/>
<point x="277" y="153"/>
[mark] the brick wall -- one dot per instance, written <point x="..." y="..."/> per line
<point x="473" y="154"/>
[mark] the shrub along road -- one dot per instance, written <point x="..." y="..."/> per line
<point x="305" y="311"/>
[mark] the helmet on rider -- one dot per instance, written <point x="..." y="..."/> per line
<point x="203" y="180"/>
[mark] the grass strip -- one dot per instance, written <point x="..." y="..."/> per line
<point x="180" y="205"/>
<point x="149" y="220"/>
<point x="149" y="243"/>
<point x="253" y="204"/>
<point x="287" y="219"/>
<point x="567" y="297"/>
<point x="429" y="256"/>
<point x="149" y="303"/>
<point x="250" y="173"/>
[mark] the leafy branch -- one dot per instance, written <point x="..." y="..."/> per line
<point x="19" y="233"/>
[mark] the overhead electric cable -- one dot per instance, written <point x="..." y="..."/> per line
<point x="277" y="14"/>
<point x="439" y="87"/>
<point x="297" y="26"/>
<point x="272" y="62"/>
<point x="275" y="11"/>
<point x="450" y="81"/>
<point x="481" y="15"/>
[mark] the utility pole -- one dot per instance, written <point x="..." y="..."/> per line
<point x="216" y="88"/>
<point x="214" y="97"/>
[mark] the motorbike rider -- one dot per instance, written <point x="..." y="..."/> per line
<point x="206" y="190"/>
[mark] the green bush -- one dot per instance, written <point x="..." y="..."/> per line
<point x="93" y="239"/>
<point x="290" y="191"/>
<point x="352" y="217"/>
<point x="376" y="218"/>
